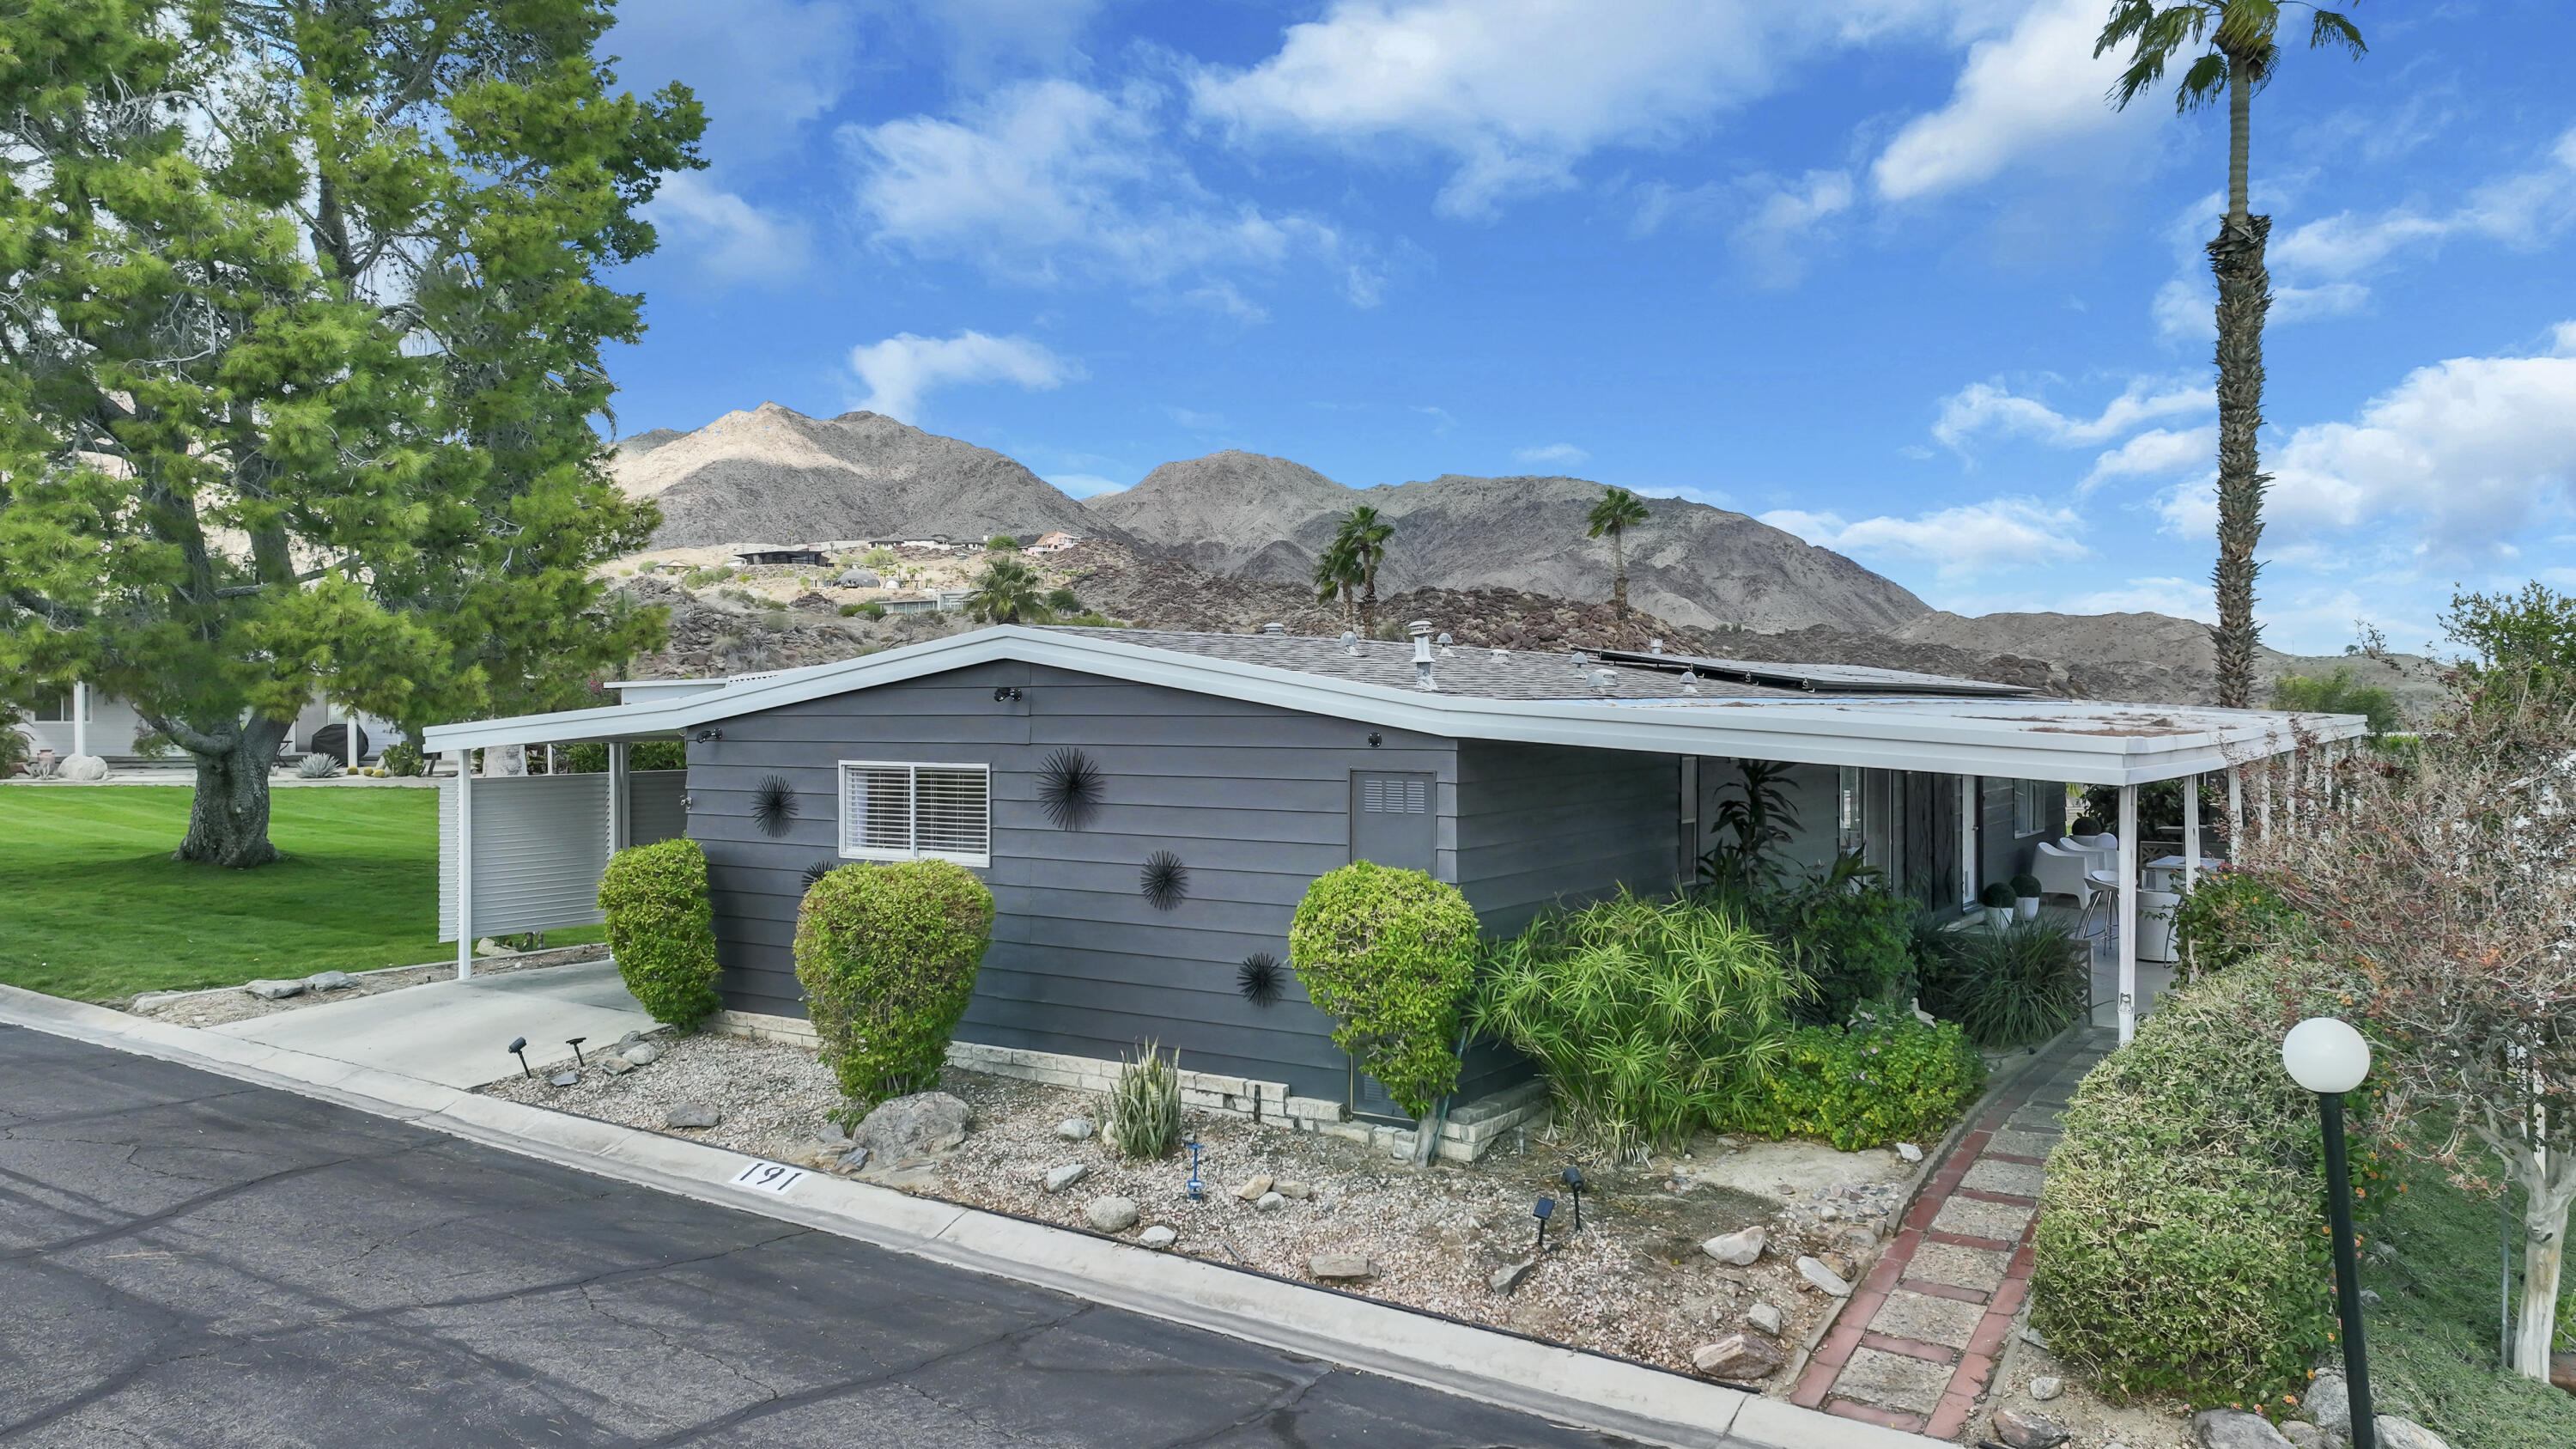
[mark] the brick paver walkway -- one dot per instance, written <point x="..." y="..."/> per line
<point x="1917" y="1344"/>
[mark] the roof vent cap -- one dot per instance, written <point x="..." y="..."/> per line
<point x="1654" y="646"/>
<point x="1350" y="642"/>
<point x="1419" y="628"/>
<point x="1274" y="629"/>
<point x="1498" y="651"/>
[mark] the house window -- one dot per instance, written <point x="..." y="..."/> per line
<point x="54" y="708"/>
<point x="2033" y="801"/>
<point x="914" y="812"/>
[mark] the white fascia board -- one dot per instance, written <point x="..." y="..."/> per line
<point x="1944" y="736"/>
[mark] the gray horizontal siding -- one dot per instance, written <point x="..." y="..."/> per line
<point x="1253" y="799"/>
<point x="1537" y="824"/>
<point x="653" y="808"/>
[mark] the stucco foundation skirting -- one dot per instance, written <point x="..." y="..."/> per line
<point x="1564" y="1384"/>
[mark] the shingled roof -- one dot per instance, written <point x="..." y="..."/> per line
<point x="1455" y="669"/>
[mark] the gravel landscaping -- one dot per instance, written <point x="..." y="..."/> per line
<point x="1633" y="1281"/>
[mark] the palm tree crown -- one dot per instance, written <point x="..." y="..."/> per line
<point x="1337" y="576"/>
<point x="1008" y="592"/>
<point x="1363" y="536"/>
<point x="2238" y="48"/>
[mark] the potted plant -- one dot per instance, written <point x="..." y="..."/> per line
<point x="2085" y="827"/>
<point x="2025" y="889"/>
<point x="1998" y="899"/>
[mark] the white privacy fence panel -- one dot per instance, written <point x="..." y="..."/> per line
<point x="540" y="845"/>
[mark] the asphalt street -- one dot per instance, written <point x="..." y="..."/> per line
<point x="188" y="1260"/>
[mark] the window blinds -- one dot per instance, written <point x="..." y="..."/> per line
<point x="906" y="812"/>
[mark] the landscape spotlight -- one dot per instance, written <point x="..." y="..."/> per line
<point x="1573" y="1177"/>
<point x="1543" y="1210"/>
<point x="1197" y="1188"/>
<point x="575" y="1043"/>
<point x="518" y="1047"/>
<point x="2329" y="1058"/>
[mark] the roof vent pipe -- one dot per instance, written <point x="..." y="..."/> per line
<point x="1654" y="646"/>
<point x="1350" y="642"/>
<point x="1274" y="629"/>
<point x="1421" y="631"/>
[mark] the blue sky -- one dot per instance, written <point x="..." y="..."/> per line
<point x="1886" y="273"/>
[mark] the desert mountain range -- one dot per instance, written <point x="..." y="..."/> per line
<point x="1246" y="528"/>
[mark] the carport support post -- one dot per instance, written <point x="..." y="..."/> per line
<point x="2128" y="913"/>
<point x="80" y="716"/>
<point x="464" y="865"/>
<point x="2190" y="833"/>
<point x="618" y="828"/>
<point x="2235" y="814"/>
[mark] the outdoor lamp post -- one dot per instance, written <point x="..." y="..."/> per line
<point x="2329" y="1058"/>
<point x="1572" y="1177"/>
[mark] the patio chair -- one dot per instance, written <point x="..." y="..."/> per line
<point x="2061" y="871"/>
<point x="2104" y="888"/>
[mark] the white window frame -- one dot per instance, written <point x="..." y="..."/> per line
<point x="849" y="830"/>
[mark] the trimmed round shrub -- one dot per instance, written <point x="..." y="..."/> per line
<point x="661" y="930"/>
<point x="2026" y="886"/>
<point x="887" y="955"/>
<point x="1651" y="1017"/>
<point x="1997" y="894"/>
<point x="1866" y="1085"/>
<point x="2181" y="1245"/>
<point x="1389" y="955"/>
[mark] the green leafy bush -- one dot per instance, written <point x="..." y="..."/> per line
<point x="661" y="929"/>
<point x="2027" y="886"/>
<point x="402" y="757"/>
<point x="2232" y="915"/>
<point x="2337" y="693"/>
<point x="2181" y="1242"/>
<point x="1867" y="1085"/>
<point x="887" y="955"/>
<point x="871" y="609"/>
<point x="1997" y="895"/>
<point x="1650" y="1017"/>
<point x="1140" y="1117"/>
<point x="1389" y="955"/>
<point x="1842" y="930"/>
<point x="590" y="757"/>
<point x="2008" y="988"/>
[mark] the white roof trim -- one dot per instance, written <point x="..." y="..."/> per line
<point x="2044" y="739"/>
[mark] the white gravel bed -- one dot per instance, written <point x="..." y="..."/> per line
<point x="1632" y="1282"/>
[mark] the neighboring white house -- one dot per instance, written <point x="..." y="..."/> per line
<point x="1055" y="542"/>
<point x="83" y="721"/>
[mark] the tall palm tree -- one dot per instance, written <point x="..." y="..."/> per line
<point x="1364" y="534"/>
<point x="1008" y="592"/>
<point x="2238" y="45"/>
<point x="1337" y="576"/>
<point x="1618" y="511"/>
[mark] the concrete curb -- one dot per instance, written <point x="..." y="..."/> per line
<point x="1557" y="1383"/>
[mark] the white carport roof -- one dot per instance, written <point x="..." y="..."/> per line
<point x="2088" y="742"/>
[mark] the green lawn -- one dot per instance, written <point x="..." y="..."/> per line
<point x="93" y="907"/>
<point x="2432" y="1339"/>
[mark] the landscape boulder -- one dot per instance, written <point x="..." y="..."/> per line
<point x="1815" y="1271"/>
<point x="1740" y="1357"/>
<point x="1060" y="1178"/>
<point x="1738" y="1250"/>
<point x="1111" y="1214"/>
<point x="329" y="981"/>
<point x="913" y="1126"/>
<point x="2235" y="1429"/>
<point x="1158" y="1236"/>
<point x="1509" y="1276"/>
<point x="81" y="769"/>
<point x="1075" y="1129"/>
<point x="2329" y="1406"/>
<point x="2302" y="1434"/>
<point x="1253" y="1187"/>
<point x="1766" y="1318"/>
<point x="2028" y="1429"/>
<point x="642" y="1054"/>
<point x="273" y="990"/>
<point x="1340" y="1266"/>
<point x="2397" y="1433"/>
<point x="692" y="1114"/>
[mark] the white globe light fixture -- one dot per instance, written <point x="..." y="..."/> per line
<point x="2329" y="1058"/>
<point x="2325" y="1055"/>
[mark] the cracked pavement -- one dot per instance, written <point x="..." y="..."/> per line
<point x="187" y="1260"/>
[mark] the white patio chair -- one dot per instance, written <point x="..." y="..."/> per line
<point x="2061" y="871"/>
<point x="2104" y="888"/>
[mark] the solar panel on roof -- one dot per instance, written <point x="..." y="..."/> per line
<point x="1848" y="678"/>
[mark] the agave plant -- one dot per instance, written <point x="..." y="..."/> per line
<point x="1140" y="1116"/>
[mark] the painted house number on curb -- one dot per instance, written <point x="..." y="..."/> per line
<point x="768" y="1177"/>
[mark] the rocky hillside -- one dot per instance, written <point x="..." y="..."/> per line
<point x="775" y="475"/>
<point x="1268" y="518"/>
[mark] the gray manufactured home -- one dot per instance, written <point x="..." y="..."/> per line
<point x="1148" y="808"/>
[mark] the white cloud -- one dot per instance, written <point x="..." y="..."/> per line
<point x="1984" y="407"/>
<point x="1514" y="92"/>
<point x="1086" y="485"/>
<point x="761" y="67"/>
<point x="2474" y="449"/>
<point x="1051" y="181"/>
<point x="2154" y="453"/>
<point x="1969" y="539"/>
<point x="2525" y="209"/>
<point x="1561" y="454"/>
<point x="1779" y="239"/>
<point x="2182" y="598"/>
<point x="727" y="235"/>
<point x="904" y="368"/>
<point x="2034" y="90"/>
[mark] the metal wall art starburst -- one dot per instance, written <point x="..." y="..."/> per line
<point x="1260" y="979"/>
<point x="1164" y="880"/>
<point x="773" y="805"/>
<point x="1069" y="788"/>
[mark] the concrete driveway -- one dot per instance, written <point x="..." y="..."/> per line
<point x="190" y="1260"/>
<point x="457" y="1033"/>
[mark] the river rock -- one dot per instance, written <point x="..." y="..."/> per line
<point x="1738" y="1250"/>
<point x="913" y="1126"/>
<point x="1075" y="1129"/>
<point x="329" y="981"/>
<point x="692" y="1114"/>
<point x="2046" y="1387"/>
<point x="1060" y="1178"/>
<point x="642" y="1054"/>
<point x="2397" y="1433"/>
<point x="1296" y="1190"/>
<point x="1740" y="1357"/>
<point x="1765" y="1317"/>
<point x="1909" y="1152"/>
<point x="2329" y="1407"/>
<point x="1111" y="1214"/>
<point x="1253" y="1187"/>
<point x="615" y="1066"/>
<point x="1270" y="1202"/>
<point x="1509" y="1276"/>
<point x="1329" y="1266"/>
<point x="2029" y="1429"/>
<point x="1158" y="1236"/>
<point x="2235" y="1429"/>
<point x="2302" y="1434"/>
<point x="1814" y="1271"/>
<point x="273" y="990"/>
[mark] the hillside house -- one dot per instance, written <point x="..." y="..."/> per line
<point x="1261" y="761"/>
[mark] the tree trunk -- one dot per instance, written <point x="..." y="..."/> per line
<point x="228" y="820"/>
<point x="2244" y="298"/>
<point x="1619" y="583"/>
<point x="1368" y="606"/>
<point x="2546" y="1196"/>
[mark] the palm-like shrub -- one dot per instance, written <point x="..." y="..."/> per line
<point x="887" y="955"/>
<point x="1390" y="955"/>
<point x="1008" y="592"/>
<point x="1140" y="1117"/>
<point x="1845" y="931"/>
<point x="661" y="929"/>
<point x="1650" y="1017"/>
<point x="2011" y="987"/>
